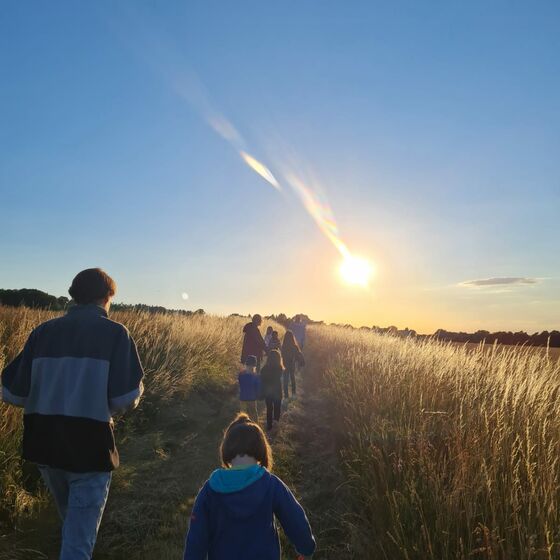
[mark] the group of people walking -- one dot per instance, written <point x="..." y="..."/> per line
<point x="277" y="376"/>
<point x="77" y="371"/>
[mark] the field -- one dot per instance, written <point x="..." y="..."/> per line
<point x="399" y="449"/>
<point x="447" y="452"/>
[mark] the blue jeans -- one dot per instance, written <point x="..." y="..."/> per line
<point x="80" y="499"/>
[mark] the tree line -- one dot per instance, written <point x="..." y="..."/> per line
<point x="37" y="299"/>
<point x="41" y="300"/>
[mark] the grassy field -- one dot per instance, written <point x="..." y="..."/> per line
<point x="447" y="452"/>
<point x="168" y="445"/>
<point x="399" y="449"/>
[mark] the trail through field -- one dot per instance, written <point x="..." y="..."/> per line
<point x="306" y="458"/>
<point x="162" y="469"/>
<point x="165" y="460"/>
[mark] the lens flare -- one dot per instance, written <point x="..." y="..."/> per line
<point x="356" y="271"/>
<point x="319" y="210"/>
<point x="260" y="168"/>
<point x="167" y="61"/>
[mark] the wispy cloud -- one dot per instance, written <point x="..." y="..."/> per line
<point x="499" y="281"/>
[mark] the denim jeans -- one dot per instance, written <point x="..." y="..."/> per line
<point x="80" y="499"/>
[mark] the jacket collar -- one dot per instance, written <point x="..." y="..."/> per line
<point x="89" y="308"/>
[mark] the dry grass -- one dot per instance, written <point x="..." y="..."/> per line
<point x="179" y="353"/>
<point x="449" y="452"/>
<point x="168" y="446"/>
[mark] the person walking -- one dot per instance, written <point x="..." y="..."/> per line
<point x="253" y="343"/>
<point x="268" y="336"/>
<point x="292" y="356"/>
<point x="271" y="387"/>
<point x="249" y="388"/>
<point x="274" y="343"/>
<point x="298" y="327"/>
<point x="234" y="513"/>
<point x="72" y="375"/>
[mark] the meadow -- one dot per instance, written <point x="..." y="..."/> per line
<point x="446" y="451"/>
<point x="398" y="448"/>
<point x="187" y="360"/>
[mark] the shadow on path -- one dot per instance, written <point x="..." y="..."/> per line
<point x="307" y="460"/>
<point x="162" y="468"/>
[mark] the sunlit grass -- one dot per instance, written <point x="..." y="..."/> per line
<point x="179" y="353"/>
<point x="449" y="452"/>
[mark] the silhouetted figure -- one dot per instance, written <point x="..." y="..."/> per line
<point x="298" y="327"/>
<point x="292" y="356"/>
<point x="268" y="336"/>
<point x="253" y="343"/>
<point x="271" y="387"/>
<point x="249" y="388"/>
<point x="274" y="343"/>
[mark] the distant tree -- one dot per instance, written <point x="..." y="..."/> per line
<point x="32" y="298"/>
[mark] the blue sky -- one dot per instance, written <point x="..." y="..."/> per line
<point x="432" y="127"/>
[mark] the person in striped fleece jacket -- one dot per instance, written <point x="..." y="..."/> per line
<point x="74" y="373"/>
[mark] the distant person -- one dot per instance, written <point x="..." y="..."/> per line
<point x="249" y="388"/>
<point x="298" y="328"/>
<point x="253" y="343"/>
<point x="233" y="515"/>
<point x="268" y="336"/>
<point x="271" y="387"/>
<point x="274" y="343"/>
<point x="74" y="372"/>
<point x="292" y="356"/>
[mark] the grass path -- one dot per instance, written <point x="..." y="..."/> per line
<point x="165" y="461"/>
<point x="307" y="460"/>
<point x="162" y="469"/>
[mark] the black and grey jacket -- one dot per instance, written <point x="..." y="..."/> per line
<point x="72" y="375"/>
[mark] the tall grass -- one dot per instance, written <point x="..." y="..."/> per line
<point x="179" y="354"/>
<point x="449" y="452"/>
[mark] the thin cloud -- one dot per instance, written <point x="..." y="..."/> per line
<point x="499" y="281"/>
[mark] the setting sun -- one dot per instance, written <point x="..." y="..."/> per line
<point x="356" y="271"/>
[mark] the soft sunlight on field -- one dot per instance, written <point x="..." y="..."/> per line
<point x="356" y="271"/>
<point x="450" y="452"/>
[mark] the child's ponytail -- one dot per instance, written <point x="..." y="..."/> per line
<point x="244" y="437"/>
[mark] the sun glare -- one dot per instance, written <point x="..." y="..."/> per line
<point x="356" y="271"/>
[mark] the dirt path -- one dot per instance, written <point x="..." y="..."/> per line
<point x="152" y="492"/>
<point x="307" y="460"/>
<point x="163" y="465"/>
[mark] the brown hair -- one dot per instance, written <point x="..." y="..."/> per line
<point x="289" y="341"/>
<point x="274" y="359"/>
<point x="92" y="285"/>
<point x="244" y="437"/>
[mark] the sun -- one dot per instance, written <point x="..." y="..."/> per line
<point x="356" y="271"/>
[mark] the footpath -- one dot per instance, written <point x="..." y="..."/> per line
<point x="165" y="461"/>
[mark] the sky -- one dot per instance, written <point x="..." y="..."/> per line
<point x="429" y="130"/>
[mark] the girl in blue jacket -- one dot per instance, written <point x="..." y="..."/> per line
<point x="234" y="513"/>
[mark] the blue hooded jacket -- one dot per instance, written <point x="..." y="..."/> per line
<point x="233" y="517"/>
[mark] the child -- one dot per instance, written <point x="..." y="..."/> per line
<point x="268" y="336"/>
<point x="233" y="515"/>
<point x="291" y="354"/>
<point x="271" y="386"/>
<point x="249" y="388"/>
<point x="274" y="343"/>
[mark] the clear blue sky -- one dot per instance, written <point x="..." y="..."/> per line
<point x="433" y="127"/>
